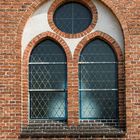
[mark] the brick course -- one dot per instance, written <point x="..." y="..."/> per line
<point x="14" y="14"/>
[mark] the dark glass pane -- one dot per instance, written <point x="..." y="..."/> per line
<point x="48" y="51"/>
<point x="99" y="105"/>
<point x="64" y="11"/>
<point x="81" y="12"/>
<point x="47" y="76"/>
<point x="48" y="105"/>
<point x="97" y="51"/>
<point x="65" y="25"/>
<point x="72" y="17"/>
<point x="98" y="76"/>
<point x="80" y="25"/>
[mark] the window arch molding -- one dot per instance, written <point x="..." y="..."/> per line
<point x="120" y="58"/>
<point x="24" y="68"/>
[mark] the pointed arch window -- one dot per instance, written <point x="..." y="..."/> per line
<point x="48" y="81"/>
<point x="98" y="82"/>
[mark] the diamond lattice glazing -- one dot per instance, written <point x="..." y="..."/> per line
<point x="48" y="81"/>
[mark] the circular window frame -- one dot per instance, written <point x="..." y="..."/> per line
<point x="88" y="3"/>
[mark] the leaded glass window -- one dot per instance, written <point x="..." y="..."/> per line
<point x="72" y="17"/>
<point x="48" y="81"/>
<point x="98" y="88"/>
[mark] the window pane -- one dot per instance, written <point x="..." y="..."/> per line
<point x="98" y="76"/>
<point x="80" y="24"/>
<point x="99" y="105"/>
<point x="63" y="12"/>
<point x="79" y="11"/>
<point x="48" y="105"/>
<point x="47" y="76"/>
<point x="65" y="25"/>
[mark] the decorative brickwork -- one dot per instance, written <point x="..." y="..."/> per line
<point x="87" y="3"/>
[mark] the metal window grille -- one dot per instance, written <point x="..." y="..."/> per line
<point x="47" y="82"/>
<point x="98" y="82"/>
<point x="72" y="17"/>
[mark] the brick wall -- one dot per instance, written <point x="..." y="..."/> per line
<point x="13" y="15"/>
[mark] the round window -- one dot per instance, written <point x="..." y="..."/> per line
<point x="72" y="17"/>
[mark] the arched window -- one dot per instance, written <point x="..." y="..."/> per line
<point x="98" y="82"/>
<point x="48" y="81"/>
